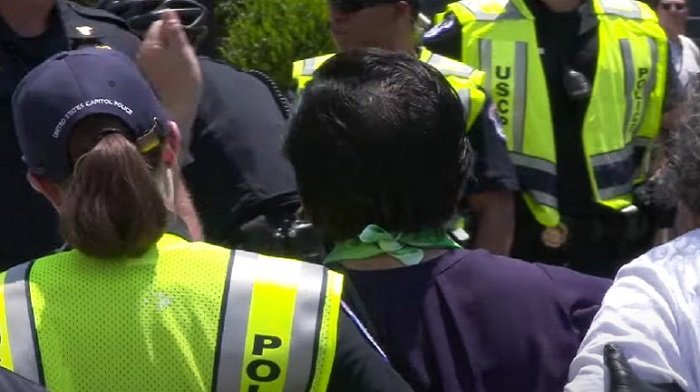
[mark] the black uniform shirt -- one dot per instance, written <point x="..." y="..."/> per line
<point x="566" y="40"/>
<point x="239" y="170"/>
<point x="29" y="227"/>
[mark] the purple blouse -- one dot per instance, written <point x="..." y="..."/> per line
<point x="473" y="321"/>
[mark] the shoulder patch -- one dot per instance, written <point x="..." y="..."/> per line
<point x="495" y="119"/>
<point x="447" y="24"/>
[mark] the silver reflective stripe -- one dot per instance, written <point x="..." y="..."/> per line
<point x="628" y="62"/>
<point x="510" y="11"/>
<point x="465" y="97"/>
<point x="533" y="163"/>
<point x="654" y="49"/>
<point x="519" y="100"/>
<point x="235" y="325"/>
<point x="624" y="8"/>
<point x="613" y="158"/>
<point x="544" y="198"/>
<point x="304" y="329"/>
<point x="309" y="67"/>
<point x="449" y="67"/>
<point x="485" y="60"/>
<point x="20" y="328"/>
<point x="651" y="83"/>
<point x="246" y="268"/>
<point x="614" y="191"/>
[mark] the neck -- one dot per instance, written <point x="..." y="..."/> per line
<point x="403" y="43"/>
<point x="408" y="47"/>
<point x="26" y="18"/>
<point x="562" y="5"/>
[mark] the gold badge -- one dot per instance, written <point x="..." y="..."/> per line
<point x="555" y="237"/>
<point x="85" y="30"/>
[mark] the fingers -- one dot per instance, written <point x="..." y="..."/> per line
<point x="173" y="32"/>
<point x="153" y="35"/>
<point x="617" y="364"/>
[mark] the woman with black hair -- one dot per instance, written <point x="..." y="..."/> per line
<point x="381" y="156"/>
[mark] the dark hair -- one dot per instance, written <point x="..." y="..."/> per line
<point x="379" y="138"/>
<point x="111" y="206"/>
<point x="685" y="157"/>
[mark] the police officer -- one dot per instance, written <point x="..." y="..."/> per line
<point x="242" y="186"/>
<point x="30" y="32"/>
<point x="133" y="305"/>
<point x="581" y="88"/>
<point x="390" y="25"/>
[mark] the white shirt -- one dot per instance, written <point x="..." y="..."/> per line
<point x="652" y="312"/>
<point x="687" y="62"/>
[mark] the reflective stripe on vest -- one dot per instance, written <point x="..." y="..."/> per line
<point x="278" y="349"/>
<point x="18" y="341"/>
<point x="499" y="37"/>
<point x="511" y="111"/>
<point x="624" y="8"/>
<point x="463" y="78"/>
<point x="501" y="9"/>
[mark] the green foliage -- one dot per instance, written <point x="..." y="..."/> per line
<point x="269" y="35"/>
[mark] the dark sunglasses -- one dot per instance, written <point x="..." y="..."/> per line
<point x="670" y="6"/>
<point x="349" y="6"/>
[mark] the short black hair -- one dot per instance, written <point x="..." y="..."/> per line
<point x="378" y="137"/>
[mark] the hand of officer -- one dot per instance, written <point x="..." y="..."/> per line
<point x="170" y="63"/>
<point x="623" y="379"/>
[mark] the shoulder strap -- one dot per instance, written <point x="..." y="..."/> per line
<point x="19" y="350"/>
<point x="278" y="325"/>
<point x="629" y="9"/>
<point x="490" y="10"/>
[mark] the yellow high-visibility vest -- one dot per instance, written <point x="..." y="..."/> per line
<point x="623" y="116"/>
<point x="463" y="78"/>
<point x="185" y="316"/>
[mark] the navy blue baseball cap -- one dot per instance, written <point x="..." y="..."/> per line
<point x="70" y="86"/>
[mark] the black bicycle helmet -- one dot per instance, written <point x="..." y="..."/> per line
<point x="140" y="14"/>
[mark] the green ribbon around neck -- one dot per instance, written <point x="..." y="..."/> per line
<point x="405" y="247"/>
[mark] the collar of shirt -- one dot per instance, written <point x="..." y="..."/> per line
<point x="35" y="49"/>
<point x="66" y="27"/>
<point x="588" y="19"/>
